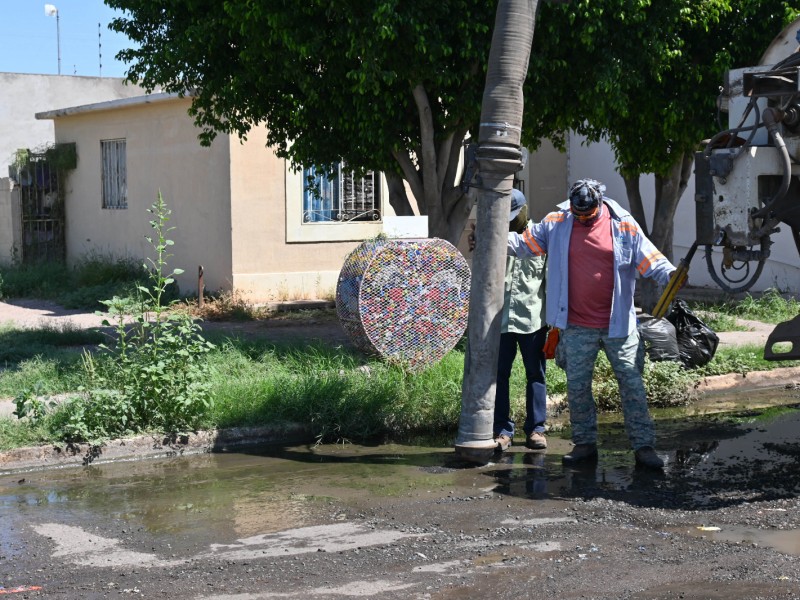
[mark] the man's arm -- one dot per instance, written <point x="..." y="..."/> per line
<point x="650" y="262"/>
<point x="529" y="243"/>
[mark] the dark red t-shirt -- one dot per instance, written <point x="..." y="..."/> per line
<point x="591" y="272"/>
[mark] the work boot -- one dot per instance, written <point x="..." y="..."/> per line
<point x="536" y="441"/>
<point x="646" y="457"/>
<point x="581" y="453"/>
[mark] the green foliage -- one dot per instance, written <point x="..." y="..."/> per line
<point x="333" y="392"/>
<point x="770" y="307"/>
<point x="721" y="322"/>
<point x="17" y="345"/>
<point x="643" y="75"/>
<point x="31" y="404"/>
<point x="16" y="434"/>
<point x="740" y="359"/>
<point x="41" y="280"/>
<point x="345" y="95"/>
<point x="153" y="378"/>
<point x="666" y="384"/>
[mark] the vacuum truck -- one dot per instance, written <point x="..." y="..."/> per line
<point x="746" y="176"/>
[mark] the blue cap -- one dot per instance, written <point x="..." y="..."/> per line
<point x="517" y="202"/>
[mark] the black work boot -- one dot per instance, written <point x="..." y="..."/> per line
<point x="581" y="453"/>
<point x="646" y="457"/>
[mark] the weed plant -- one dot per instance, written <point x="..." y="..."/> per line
<point x="337" y="393"/>
<point x="225" y="306"/>
<point x="666" y="384"/>
<point x="17" y="345"/>
<point x="740" y="359"/>
<point x="16" y="434"/>
<point x="152" y="378"/>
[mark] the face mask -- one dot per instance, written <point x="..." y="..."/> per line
<point x="586" y="216"/>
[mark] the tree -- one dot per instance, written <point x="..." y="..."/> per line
<point x="385" y="85"/>
<point x="644" y="75"/>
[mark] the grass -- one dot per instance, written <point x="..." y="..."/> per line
<point x="769" y="307"/>
<point x="91" y="280"/>
<point x="340" y="394"/>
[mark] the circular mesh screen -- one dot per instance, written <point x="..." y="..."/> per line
<point x="405" y="300"/>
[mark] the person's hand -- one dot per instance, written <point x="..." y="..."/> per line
<point x="471" y="238"/>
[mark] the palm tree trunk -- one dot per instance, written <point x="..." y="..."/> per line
<point x="499" y="157"/>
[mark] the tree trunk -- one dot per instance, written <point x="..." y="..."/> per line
<point x="499" y="157"/>
<point x="668" y="189"/>
<point x="635" y="201"/>
<point x="398" y="198"/>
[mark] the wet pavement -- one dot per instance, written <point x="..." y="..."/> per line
<point x="409" y="521"/>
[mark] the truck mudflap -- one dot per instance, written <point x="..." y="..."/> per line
<point x="786" y="336"/>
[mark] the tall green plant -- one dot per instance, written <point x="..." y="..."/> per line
<point x="154" y="377"/>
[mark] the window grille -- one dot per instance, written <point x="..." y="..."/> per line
<point x="341" y="196"/>
<point x="115" y="174"/>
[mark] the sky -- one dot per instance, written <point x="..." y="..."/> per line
<point x="30" y="40"/>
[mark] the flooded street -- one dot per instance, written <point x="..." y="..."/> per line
<point x="408" y="521"/>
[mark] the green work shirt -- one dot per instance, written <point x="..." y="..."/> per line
<point x="523" y="298"/>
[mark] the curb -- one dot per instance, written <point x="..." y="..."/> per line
<point x="142" y="447"/>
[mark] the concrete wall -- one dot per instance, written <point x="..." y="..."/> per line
<point x="24" y="95"/>
<point x="10" y="222"/>
<point x="163" y="155"/>
<point x="546" y="181"/>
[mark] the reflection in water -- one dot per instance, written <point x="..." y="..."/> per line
<point x="711" y="462"/>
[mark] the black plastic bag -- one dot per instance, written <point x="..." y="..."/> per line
<point x="659" y="338"/>
<point x="697" y="342"/>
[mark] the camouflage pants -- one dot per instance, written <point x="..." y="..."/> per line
<point x="578" y="348"/>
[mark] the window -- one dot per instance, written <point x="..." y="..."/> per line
<point x="115" y="174"/>
<point x="341" y="197"/>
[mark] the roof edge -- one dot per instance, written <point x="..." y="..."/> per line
<point x="107" y="105"/>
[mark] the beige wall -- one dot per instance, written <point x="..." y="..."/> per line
<point x="163" y="154"/>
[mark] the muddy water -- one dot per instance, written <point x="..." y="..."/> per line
<point x="714" y="461"/>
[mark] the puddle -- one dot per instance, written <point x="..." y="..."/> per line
<point x="219" y="496"/>
<point x="713" y="462"/>
<point x="786" y="541"/>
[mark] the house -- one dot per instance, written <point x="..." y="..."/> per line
<point x="24" y="95"/>
<point x="238" y="211"/>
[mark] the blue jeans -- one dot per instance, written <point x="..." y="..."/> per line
<point x="579" y="347"/>
<point x="530" y="346"/>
